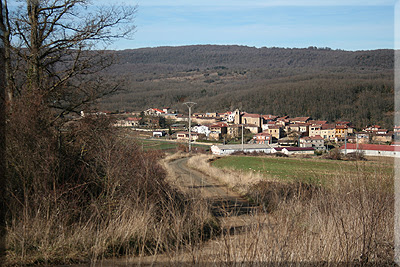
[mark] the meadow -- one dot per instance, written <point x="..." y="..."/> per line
<point x="301" y="169"/>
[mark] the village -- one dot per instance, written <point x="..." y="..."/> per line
<point x="236" y="130"/>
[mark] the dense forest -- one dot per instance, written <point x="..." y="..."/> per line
<point x="318" y="82"/>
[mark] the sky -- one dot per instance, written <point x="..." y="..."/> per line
<point x="338" y="24"/>
<point x="348" y="25"/>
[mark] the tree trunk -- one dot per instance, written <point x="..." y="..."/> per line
<point x="2" y="141"/>
<point x="35" y="43"/>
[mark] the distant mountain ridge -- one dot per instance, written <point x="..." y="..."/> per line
<point x="246" y="57"/>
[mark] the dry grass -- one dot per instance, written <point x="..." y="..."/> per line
<point x="350" y="221"/>
<point x="240" y="181"/>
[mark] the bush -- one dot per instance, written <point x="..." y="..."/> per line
<point x="334" y="154"/>
<point x="85" y="192"/>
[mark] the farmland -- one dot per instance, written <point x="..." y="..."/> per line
<point x="304" y="169"/>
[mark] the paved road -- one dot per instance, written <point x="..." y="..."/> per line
<point x="224" y="202"/>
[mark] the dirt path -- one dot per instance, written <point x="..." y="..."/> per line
<point x="232" y="210"/>
<point x="224" y="202"/>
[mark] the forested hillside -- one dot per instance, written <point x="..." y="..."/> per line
<point x="321" y="83"/>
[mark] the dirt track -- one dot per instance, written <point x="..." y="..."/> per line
<point x="224" y="202"/>
<point x="232" y="210"/>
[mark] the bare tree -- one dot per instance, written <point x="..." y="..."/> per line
<point x="52" y="49"/>
<point x="2" y="144"/>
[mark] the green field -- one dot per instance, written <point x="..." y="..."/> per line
<point x="154" y="144"/>
<point x="304" y="169"/>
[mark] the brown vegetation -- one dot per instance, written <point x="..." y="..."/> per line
<point x="85" y="193"/>
<point x="349" y="221"/>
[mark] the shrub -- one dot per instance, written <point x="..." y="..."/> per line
<point x="334" y="154"/>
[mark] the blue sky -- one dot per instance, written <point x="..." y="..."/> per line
<point x="349" y="25"/>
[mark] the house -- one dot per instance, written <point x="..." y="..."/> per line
<point x="282" y="121"/>
<point x="269" y="124"/>
<point x="301" y="128"/>
<point x="342" y="131"/>
<point x="328" y="131"/>
<point x="287" y="141"/>
<point x="382" y="131"/>
<point x="362" y="137"/>
<point x="253" y="128"/>
<point x="372" y="150"/>
<point x="211" y="115"/>
<point x="233" y="130"/>
<point x="268" y="118"/>
<point x="247" y="148"/>
<point x="292" y="128"/>
<point x="315" y="130"/>
<point x="154" y="112"/>
<point x="201" y="129"/>
<point x="382" y="138"/>
<point x="229" y="116"/>
<point x="262" y="138"/>
<point x="220" y="127"/>
<point x="184" y="136"/>
<point x="204" y="120"/>
<point x="274" y="131"/>
<point x="159" y="133"/>
<point x="299" y="120"/>
<point x="248" y="118"/>
<point x="316" y="142"/>
<point x="372" y="129"/>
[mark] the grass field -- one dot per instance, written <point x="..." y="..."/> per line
<point x="154" y="144"/>
<point x="304" y="169"/>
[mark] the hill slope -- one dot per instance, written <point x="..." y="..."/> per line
<point x="322" y="83"/>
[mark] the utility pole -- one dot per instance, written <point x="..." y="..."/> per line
<point x="242" y="140"/>
<point x="190" y="105"/>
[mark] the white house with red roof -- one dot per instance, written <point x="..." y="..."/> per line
<point x="372" y="150"/>
<point x="154" y="112"/>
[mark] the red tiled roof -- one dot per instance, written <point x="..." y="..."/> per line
<point x="263" y="134"/>
<point x="341" y="127"/>
<point x="269" y="117"/>
<point x="372" y="147"/>
<point x="159" y="110"/>
<point x="317" y="122"/>
<point x="328" y="126"/>
<point x="220" y="124"/>
<point x="252" y="115"/>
